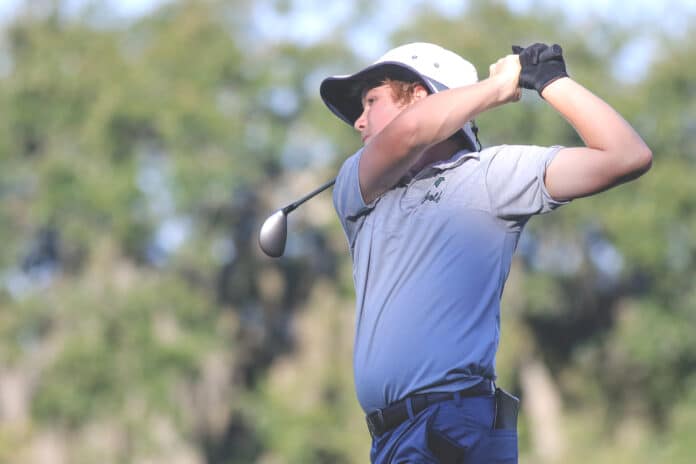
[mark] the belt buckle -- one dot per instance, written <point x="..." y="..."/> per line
<point x="372" y="420"/>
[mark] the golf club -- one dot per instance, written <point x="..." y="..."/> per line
<point x="274" y="231"/>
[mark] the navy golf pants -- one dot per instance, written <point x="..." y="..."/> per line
<point x="458" y="431"/>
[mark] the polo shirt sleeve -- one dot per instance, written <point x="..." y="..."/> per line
<point x="348" y="200"/>
<point x="515" y="181"/>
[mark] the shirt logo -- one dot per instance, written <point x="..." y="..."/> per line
<point x="434" y="193"/>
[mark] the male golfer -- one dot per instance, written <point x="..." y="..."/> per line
<point x="432" y="224"/>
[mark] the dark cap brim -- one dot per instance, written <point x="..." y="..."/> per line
<point x="343" y="94"/>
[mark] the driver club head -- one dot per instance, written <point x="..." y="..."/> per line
<point x="273" y="234"/>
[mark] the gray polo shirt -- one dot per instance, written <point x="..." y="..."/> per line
<point x="430" y="259"/>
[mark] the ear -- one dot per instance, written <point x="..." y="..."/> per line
<point x="420" y="92"/>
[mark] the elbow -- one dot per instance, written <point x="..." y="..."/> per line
<point x="637" y="162"/>
<point x="643" y="160"/>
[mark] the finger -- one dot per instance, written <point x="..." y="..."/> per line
<point x="493" y="68"/>
<point x="511" y="63"/>
<point x="534" y="52"/>
<point x="555" y="51"/>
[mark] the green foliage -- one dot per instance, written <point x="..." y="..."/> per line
<point x="191" y="125"/>
<point x="116" y="343"/>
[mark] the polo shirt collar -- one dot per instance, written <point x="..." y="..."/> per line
<point x="457" y="159"/>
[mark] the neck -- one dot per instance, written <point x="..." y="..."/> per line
<point x="440" y="152"/>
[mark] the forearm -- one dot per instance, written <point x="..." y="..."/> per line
<point x="596" y="122"/>
<point x="425" y="123"/>
<point x="614" y="152"/>
<point x="434" y="119"/>
<point x="430" y="120"/>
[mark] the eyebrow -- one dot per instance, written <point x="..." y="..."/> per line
<point x="367" y="90"/>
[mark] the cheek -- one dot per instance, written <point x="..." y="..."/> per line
<point x="385" y="115"/>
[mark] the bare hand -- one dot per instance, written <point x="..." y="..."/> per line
<point x="506" y="72"/>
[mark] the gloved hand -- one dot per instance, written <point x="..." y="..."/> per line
<point x="541" y="65"/>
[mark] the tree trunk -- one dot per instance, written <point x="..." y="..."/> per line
<point x="542" y="406"/>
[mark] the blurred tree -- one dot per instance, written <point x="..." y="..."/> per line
<point x="139" y="321"/>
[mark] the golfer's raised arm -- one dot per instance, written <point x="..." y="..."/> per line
<point x="427" y="121"/>
<point x="613" y="152"/>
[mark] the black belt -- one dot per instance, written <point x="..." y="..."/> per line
<point x="385" y="419"/>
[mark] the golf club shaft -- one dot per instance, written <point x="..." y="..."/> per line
<point x="311" y="194"/>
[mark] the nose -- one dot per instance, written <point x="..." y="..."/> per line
<point x="359" y="123"/>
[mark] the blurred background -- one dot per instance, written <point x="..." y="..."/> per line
<point x="142" y="144"/>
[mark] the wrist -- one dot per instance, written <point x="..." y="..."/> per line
<point x="503" y="89"/>
<point x="552" y="86"/>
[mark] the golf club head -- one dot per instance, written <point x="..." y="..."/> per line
<point x="273" y="234"/>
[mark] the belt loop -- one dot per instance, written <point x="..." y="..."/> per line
<point x="409" y="408"/>
<point x="458" y="398"/>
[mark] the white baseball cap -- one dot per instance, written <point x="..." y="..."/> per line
<point x="436" y="67"/>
